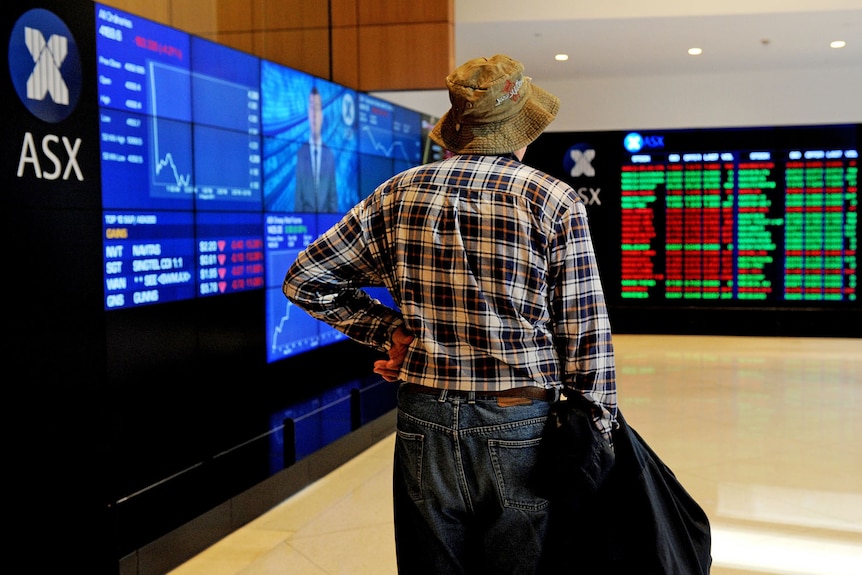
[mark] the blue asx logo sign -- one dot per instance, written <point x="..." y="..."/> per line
<point x="45" y="65"/>
<point x="635" y="142"/>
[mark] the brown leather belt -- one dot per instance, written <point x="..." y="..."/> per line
<point x="528" y="392"/>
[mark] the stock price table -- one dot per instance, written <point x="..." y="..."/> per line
<point x="740" y="225"/>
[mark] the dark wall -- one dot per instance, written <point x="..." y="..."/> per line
<point x="57" y="431"/>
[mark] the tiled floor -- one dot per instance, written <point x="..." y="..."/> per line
<point x="765" y="433"/>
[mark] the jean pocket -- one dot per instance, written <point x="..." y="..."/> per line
<point x="409" y="449"/>
<point x="514" y="463"/>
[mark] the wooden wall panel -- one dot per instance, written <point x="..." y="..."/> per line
<point x="156" y="10"/>
<point x="368" y="45"/>
<point x="195" y="17"/>
<point x="405" y="57"/>
<point x="343" y="13"/>
<point x="290" y="14"/>
<point x="306" y="50"/>
<point x="377" y="12"/>
<point x="240" y="40"/>
<point x="208" y="16"/>
<point x="345" y="56"/>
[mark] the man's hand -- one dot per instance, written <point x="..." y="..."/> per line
<point x="389" y="368"/>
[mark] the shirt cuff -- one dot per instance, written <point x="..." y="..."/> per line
<point x="387" y="342"/>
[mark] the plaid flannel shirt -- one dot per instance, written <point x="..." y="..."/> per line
<point x="492" y="266"/>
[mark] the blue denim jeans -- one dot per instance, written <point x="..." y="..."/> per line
<point x="464" y="486"/>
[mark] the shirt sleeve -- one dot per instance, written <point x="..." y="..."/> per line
<point x="327" y="278"/>
<point x="582" y="326"/>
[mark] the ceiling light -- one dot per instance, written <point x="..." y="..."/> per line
<point x="561" y="57"/>
<point x="837" y="44"/>
<point x="695" y="51"/>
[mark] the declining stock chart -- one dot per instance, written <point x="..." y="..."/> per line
<point x="389" y="131"/>
<point x="390" y="141"/>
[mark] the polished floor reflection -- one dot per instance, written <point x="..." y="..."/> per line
<point x="765" y="433"/>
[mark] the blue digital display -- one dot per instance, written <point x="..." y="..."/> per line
<point x="294" y="181"/>
<point x="286" y="236"/>
<point x="142" y="66"/>
<point x="227" y="136"/>
<point x="149" y="257"/>
<point x="406" y="138"/>
<point x="289" y="329"/>
<point x="218" y="167"/>
<point x="390" y="141"/>
<point x="375" y="127"/>
<point x="180" y="132"/>
<point x="137" y="172"/>
<point x="373" y="171"/>
<point x="230" y="252"/>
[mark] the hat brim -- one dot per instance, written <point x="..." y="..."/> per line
<point x="500" y="137"/>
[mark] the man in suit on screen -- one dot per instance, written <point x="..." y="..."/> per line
<point x="315" y="166"/>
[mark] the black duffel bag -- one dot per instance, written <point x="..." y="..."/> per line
<point x="622" y="512"/>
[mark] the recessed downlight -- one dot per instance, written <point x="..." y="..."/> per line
<point x="837" y="44"/>
<point x="561" y="57"/>
<point x="695" y="51"/>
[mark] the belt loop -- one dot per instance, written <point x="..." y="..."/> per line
<point x="471" y="397"/>
<point x="442" y="397"/>
<point x="557" y="393"/>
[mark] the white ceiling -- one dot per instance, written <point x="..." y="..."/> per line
<point x="636" y="38"/>
<point x="629" y="63"/>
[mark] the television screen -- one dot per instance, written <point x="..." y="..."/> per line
<point x="149" y="257"/>
<point x="375" y="126"/>
<point x="406" y="138"/>
<point x="751" y="216"/>
<point x="144" y="91"/>
<point x="303" y="173"/>
<point x="289" y="330"/>
<point x="390" y="141"/>
<point x="230" y="252"/>
<point x="431" y="151"/>
<point x="373" y="171"/>
<point x="180" y="161"/>
<point x="218" y="167"/>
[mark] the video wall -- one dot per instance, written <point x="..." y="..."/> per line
<point x="218" y="167"/>
<point x="759" y="217"/>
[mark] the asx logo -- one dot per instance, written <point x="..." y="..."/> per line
<point x="45" y="66"/>
<point x="578" y="163"/>
<point x="635" y="142"/>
